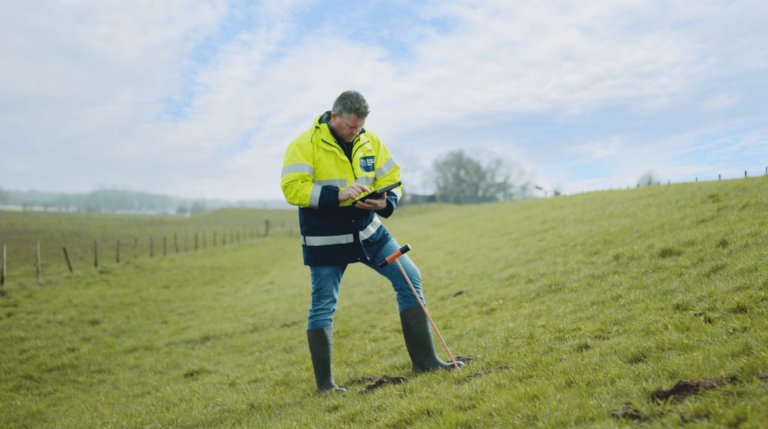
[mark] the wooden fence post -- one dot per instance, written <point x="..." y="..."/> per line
<point x="195" y="242"/>
<point x="164" y="246"/>
<point x="266" y="227"/>
<point x="95" y="254"/>
<point x="66" y="256"/>
<point x="151" y="247"/>
<point x="204" y="241"/>
<point x="135" y="245"/>
<point x="224" y="239"/>
<point x="186" y="239"/>
<point x="5" y="267"/>
<point x="214" y="238"/>
<point x="176" y="241"/>
<point x="745" y="173"/>
<point x="117" y="258"/>
<point x="718" y="177"/>
<point x="37" y="261"/>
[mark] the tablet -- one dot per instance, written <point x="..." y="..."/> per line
<point x="379" y="192"/>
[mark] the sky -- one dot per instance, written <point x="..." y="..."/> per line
<point x="200" y="98"/>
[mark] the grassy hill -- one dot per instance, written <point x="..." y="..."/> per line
<point x="590" y="301"/>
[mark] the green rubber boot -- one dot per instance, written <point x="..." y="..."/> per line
<point x="418" y="341"/>
<point x="320" y="347"/>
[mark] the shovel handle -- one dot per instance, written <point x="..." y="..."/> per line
<point x="388" y="260"/>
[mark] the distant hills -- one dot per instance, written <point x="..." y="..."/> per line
<point x="122" y="201"/>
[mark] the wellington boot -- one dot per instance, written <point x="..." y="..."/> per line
<point x="418" y="341"/>
<point x="320" y="347"/>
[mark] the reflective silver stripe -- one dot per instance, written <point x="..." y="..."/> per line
<point x="339" y="183"/>
<point x="329" y="240"/>
<point x="367" y="181"/>
<point x="299" y="168"/>
<point x="384" y="169"/>
<point x="398" y="193"/>
<point x="314" y="197"/>
<point x="370" y="229"/>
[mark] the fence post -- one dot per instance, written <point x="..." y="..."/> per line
<point x="151" y="247"/>
<point x="117" y="258"/>
<point x="204" y="241"/>
<point x="176" y="241"/>
<point x="195" y="242"/>
<point x="164" y="246"/>
<point x="135" y="245"/>
<point x="266" y="227"/>
<point x="2" y="273"/>
<point x="224" y="239"/>
<point x="214" y="238"/>
<point x="718" y="177"/>
<point x="186" y="239"/>
<point x="37" y="261"/>
<point x="95" y="254"/>
<point x="745" y="173"/>
<point x="66" y="256"/>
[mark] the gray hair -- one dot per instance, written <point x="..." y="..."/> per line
<point x="351" y="102"/>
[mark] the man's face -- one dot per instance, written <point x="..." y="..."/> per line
<point x="347" y="128"/>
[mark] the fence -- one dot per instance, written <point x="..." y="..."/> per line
<point x="28" y="257"/>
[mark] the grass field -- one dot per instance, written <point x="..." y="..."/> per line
<point x="19" y="231"/>
<point x="592" y="301"/>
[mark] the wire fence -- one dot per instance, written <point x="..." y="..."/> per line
<point x="36" y="251"/>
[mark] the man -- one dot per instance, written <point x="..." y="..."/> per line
<point x="326" y="169"/>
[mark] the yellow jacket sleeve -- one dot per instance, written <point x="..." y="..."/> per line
<point x="297" y="179"/>
<point x="387" y="170"/>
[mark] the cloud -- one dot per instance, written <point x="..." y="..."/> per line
<point x="201" y="98"/>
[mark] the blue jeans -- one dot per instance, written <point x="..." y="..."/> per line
<point x="326" y="281"/>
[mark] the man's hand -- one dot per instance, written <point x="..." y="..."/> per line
<point x="352" y="191"/>
<point x="371" y="204"/>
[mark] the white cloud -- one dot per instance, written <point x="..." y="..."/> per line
<point x="551" y="85"/>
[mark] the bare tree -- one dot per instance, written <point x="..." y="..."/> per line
<point x="648" y="178"/>
<point x="460" y="179"/>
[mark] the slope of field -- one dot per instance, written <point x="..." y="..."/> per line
<point x="591" y="302"/>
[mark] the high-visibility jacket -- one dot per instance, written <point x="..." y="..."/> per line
<point x="315" y="169"/>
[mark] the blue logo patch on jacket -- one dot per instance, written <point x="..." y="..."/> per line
<point x="367" y="163"/>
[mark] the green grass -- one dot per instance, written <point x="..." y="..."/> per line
<point x="19" y="231"/>
<point x="592" y="301"/>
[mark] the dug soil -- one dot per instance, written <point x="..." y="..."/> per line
<point x="627" y="412"/>
<point x="381" y="382"/>
<point x="685" y="388"/>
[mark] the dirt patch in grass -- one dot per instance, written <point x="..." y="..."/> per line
<point x="364" y="380"/>
<point x="383" y="381"/>
<point x="629" y="413"/>
<point x="466" y="359"/>
<point x="461" y="292"/>
<point x="487" y="371"/>
<point x="289" y="324"/>
<point x="685" y="388"/>
<point x="763" y="376"/>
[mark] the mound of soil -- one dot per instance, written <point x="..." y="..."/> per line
<point x="288" y="325"/>
<point x="467" y="358"/>
<point x="364" y="380"/>
<point x="685" y="388"/>
<point x="763" y="376"/>
<point x="627" y="412"/>
<point x="383" y="381"/>
<point x="487" y="371"/>
<point x="461" y="292"/>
